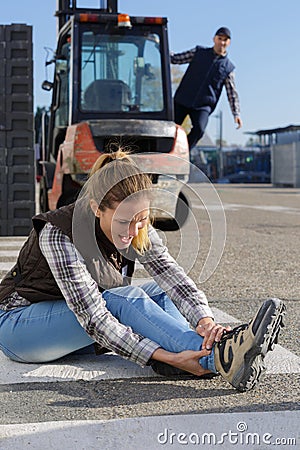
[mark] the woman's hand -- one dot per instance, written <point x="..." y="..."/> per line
<point x="210" y="331"/>
<point x="187" y="360"/>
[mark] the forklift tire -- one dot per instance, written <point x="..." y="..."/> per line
<point x="66" y="199"/>
<point x="44" y="205"/>
<point x="70" y="191"/>
<point x="181" y="215"/>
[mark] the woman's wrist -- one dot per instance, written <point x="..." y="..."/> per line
<point x="164" y="356"/>
<point x="205" y="321"/>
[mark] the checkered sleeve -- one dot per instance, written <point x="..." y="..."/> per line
<point x="184" y="57"/>
<point x="84" y="299"/>
<point x="191" y="301"/>
<point x="232" y="95"/>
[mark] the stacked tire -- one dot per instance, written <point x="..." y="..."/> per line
<point x="17" y="161"/>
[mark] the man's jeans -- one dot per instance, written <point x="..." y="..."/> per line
<point x="199" y="118"/>
<point x="48" y="330"/>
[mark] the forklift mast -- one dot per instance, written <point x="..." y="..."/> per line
<point x="67" y="8"/>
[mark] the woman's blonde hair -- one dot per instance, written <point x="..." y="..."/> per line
<point x="119" y="178"/>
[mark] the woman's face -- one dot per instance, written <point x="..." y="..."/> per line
<point x="122" y="224"/>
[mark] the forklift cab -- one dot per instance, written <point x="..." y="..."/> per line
<point x="104" y="70"/>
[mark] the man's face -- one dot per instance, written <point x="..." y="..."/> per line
<point x="221" y="43"/>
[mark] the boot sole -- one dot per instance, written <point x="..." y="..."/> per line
<point x="253" y="365"/>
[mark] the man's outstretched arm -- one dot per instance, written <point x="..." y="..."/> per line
<point x="233" y="99"/>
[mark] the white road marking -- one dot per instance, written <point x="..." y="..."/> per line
<point x="237" y="206"/>
<point x="5" y="266"/>
<point x="71" y="368"/>
<point x="11" y="253"/>
<point x="259" y="429"/>
<point x="281" y="360"/>
<point x="222" y="317"/>
<point x="12" y="241"/>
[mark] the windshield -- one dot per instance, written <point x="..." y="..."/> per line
<point x="120" y="72"/>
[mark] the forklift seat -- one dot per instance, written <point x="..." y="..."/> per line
<point x="107" y="95"/>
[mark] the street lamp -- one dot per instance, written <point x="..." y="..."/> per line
<point x="220" y="152"/>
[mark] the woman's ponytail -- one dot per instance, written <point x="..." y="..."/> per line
<point x="106" y="158"/>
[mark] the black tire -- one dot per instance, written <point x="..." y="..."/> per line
<point x="70" y="191"/>
<point x="44" y="204"/>
<point x="181" y="215"/>
<point x="66" y="199"/>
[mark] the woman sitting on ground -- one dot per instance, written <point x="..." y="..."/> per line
<point x="71" y="288"/>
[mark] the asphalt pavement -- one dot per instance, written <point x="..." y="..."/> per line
<point x="241" y="246"/>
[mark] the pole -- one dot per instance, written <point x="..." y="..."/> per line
<point x="63" y="8"/>
<point x="110" y="6"/>
<point x="220" y="158"/>
<point x="221" y="174"/>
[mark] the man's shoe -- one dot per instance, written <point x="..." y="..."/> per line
<point x="239" y="356"/>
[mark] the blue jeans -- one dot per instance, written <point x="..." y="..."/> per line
<point x="47" y="331"/>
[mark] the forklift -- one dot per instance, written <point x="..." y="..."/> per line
<point x="112" y="87"/>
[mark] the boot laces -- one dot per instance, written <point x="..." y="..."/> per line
<point x="235" y="332"/>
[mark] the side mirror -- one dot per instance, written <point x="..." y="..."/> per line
<point x="47" y="85"/>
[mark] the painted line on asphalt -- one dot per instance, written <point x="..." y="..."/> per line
<point x="12" y="242"/>
<point x="222" y="317"/>
<point x="249" y="429"/>
<point x="10" y="253"/>
<point x="6" y="266"/>
<point x="237" y="206"/>
<point x="12" y="238"/>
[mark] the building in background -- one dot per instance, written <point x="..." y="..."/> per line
<point x="271" y="156"/>
<point x="230" y="164"/>
<point x="284" y="147"/>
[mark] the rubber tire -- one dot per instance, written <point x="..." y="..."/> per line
<point x="44" y="204"/>
<point x="181" y="215"/>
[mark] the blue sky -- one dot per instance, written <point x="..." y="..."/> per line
<point x="264" y="49"/>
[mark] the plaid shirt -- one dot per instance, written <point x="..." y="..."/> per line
<point x="232" y="95"/>
<point x="84" y="299"/>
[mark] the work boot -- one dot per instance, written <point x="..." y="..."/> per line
<point x="239" y="355"/>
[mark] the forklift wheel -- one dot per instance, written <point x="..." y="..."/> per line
<point x="181" y="215"/>
<point x="44" y="205"/>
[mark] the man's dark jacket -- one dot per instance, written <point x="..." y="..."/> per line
<point x="202" y="83"/>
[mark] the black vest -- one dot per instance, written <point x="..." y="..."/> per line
<point x="32" y="278"/>
<point x="202" y="83"/>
